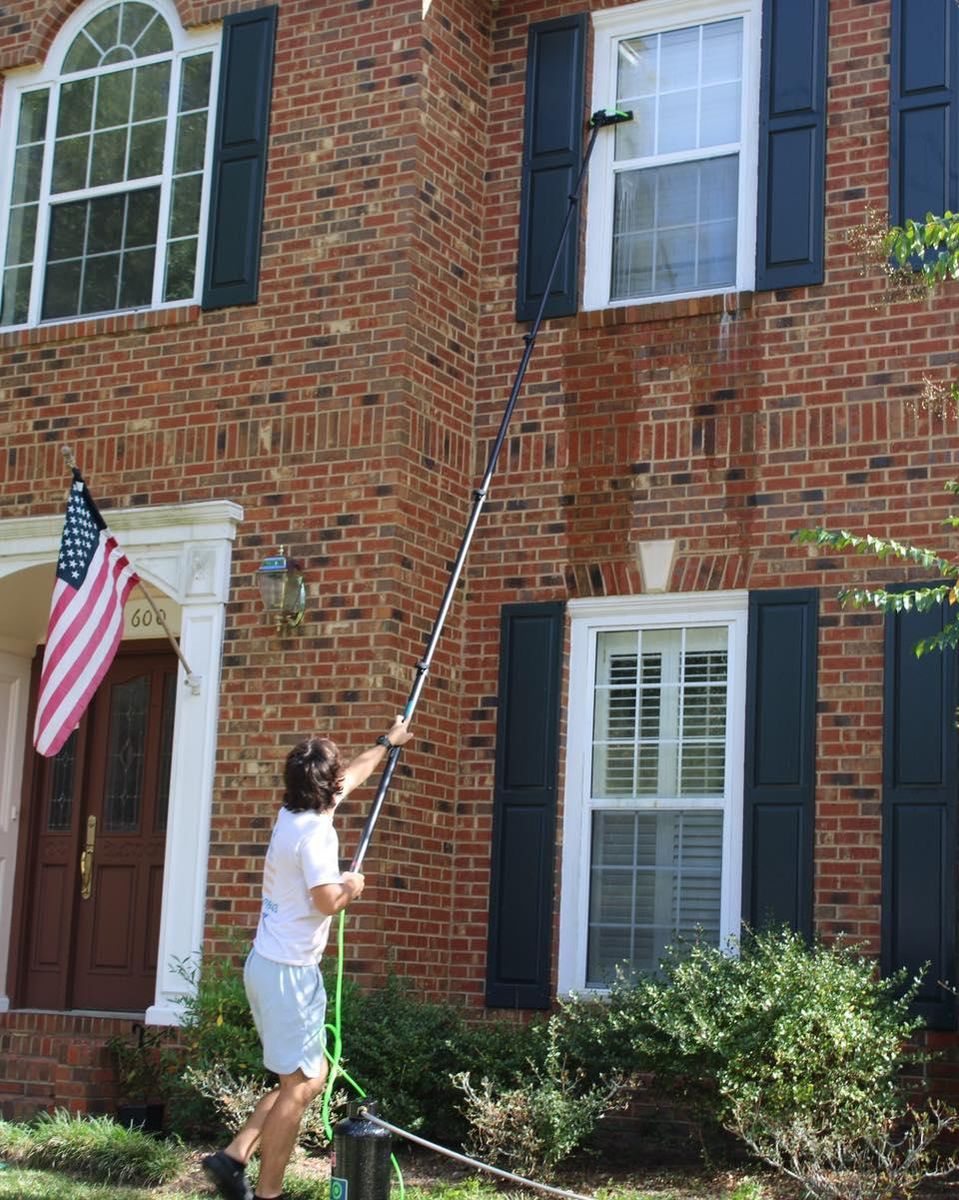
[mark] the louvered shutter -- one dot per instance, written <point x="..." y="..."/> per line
<point x="923" y="111"/>
<point x="919" y="812"/>
<point x="780" y="759"/>
<point x="524" y="807"/>
<point x="239" y="159"/>
<point x="792" y="144"/>
<point x="552" y="148"/>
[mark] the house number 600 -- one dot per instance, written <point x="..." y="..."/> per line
<point x="144" y="617"/>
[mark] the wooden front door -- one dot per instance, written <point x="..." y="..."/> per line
<point x="97" y="830"/>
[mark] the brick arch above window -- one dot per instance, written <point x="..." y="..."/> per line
<point x="44" y="19"/>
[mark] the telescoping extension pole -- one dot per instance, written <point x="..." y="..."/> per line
<point x="598" y="121"/>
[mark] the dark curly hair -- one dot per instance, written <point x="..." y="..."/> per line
<point x="313" y="775"/>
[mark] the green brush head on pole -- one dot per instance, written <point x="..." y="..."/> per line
<point x="609" y="116"/>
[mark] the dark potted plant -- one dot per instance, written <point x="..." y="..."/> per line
<point x="144" y="1069"/>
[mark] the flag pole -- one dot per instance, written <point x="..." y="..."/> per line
<point x="192" y="681"/>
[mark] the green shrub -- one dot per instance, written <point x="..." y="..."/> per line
<point x="400" y="1049"/>
<point x="798" y="1050"/>
<point x="93" y="1146"/>
<point x="541" y="1119"/>
<point x="404" y="1051"/>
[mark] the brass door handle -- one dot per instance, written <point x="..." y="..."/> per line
<point x="86" y="860"/>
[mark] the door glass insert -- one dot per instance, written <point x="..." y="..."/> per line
<point x="126" y="746"/>
<point x="60" y="799"/>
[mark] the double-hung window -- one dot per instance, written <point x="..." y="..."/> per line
<point x="653" y="800"/>
<point x="110" y="144"/>
<point x="672" y="193"/>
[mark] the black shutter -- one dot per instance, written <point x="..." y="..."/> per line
<point x="239" y="159"/>
<point x="780" y="774"/>
<point x="919" y="812"/>
<point x="524" y="807"/>
<point x="923" y="112"/>
<point x="792" y="144"/>
<point x="552" y="148"/>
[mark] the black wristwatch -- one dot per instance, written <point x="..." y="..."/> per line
<point x="383" y="740"/>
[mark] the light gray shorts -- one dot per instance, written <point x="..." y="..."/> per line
<point x="289" y="1010"/>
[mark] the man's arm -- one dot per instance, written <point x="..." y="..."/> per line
<point x="330" y="898"/>
<point x="363" y="766"/>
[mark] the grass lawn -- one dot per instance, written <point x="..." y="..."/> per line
<point x="425" y="1179"/>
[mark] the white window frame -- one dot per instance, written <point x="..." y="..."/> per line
<point x="610" y="27"/>
<point x="49" y="75"/>
<point x="588" y="618"/>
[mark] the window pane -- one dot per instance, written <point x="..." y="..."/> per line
<point x="76" y="107"/>
<point x="152" y="91"/>
<point x="146" y="150"/>
<point x="660" y="732"/>
<point x="655" y="880"/>
<point x="195" y="82"/>
<point x="82" y="55"/>
<point x="675" y="228"/>
<point x="100" y="279"/>
<point x="155" y="39"/>
<point x="722" y="52"/>
<point x="109" y="157"/>
<point x="113" y="99"/>
<point x="70" y="164"/>
<point x="679" y="59"/>
<point x="181" y="270"/>
<point x="21" y="235"/>
<point x="190" y="143"/>
<point x="185" y="207"/>
<point x="61" y="290"/>
<point x="720" y="114"/>
<point x="142" y="215"/>
<point x="677" y="123"/>
<point x="133" y="21"/>
<point x="32" y="126"/>
<point x="106" y="223"/>
<point x="104" y="28"/>
<point x="15" y="300"/>
<point x="27" y="167"/>
<point x="136" y="290"/>
<point x="102" y="254"/>
<point x="68" y="227"/>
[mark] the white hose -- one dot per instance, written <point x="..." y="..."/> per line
<point x="472" y="1162"/>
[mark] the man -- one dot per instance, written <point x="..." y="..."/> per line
<point x="303" y="888"/>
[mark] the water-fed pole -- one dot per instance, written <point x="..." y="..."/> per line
<point x="599" y="120"/>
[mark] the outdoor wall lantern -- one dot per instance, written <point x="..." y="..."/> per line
<point x="282" y="590"/>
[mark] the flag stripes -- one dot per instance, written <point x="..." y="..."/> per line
<point x="94" y="579"/>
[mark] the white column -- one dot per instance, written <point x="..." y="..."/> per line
<point x="14" y="699"/>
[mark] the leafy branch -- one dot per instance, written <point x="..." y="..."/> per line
<point x="922" y="598"/>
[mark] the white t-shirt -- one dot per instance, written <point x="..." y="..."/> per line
<point x="303" y="853"/>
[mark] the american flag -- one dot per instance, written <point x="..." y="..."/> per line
<point x="94" y="579"/>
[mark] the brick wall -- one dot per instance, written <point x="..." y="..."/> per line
<point x="351" y="411"/>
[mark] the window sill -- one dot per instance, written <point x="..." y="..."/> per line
<point x="113" y="324"/>
<point x="730" y="303"/>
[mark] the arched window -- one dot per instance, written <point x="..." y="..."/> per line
<point x="110" y="144"/>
